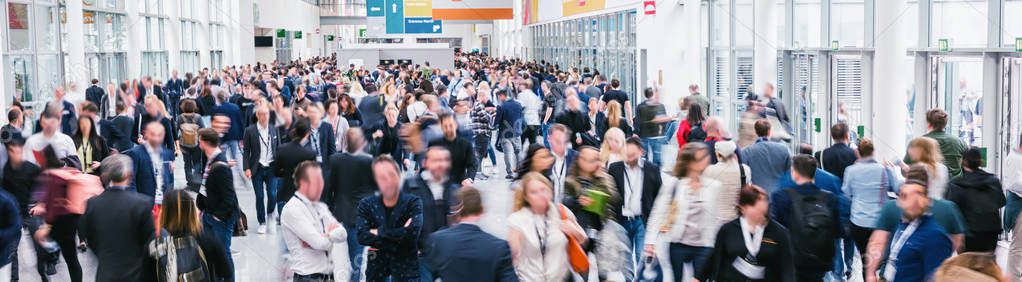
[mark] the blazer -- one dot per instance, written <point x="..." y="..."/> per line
<point x="371" y="107"/>
<point x="347" y="183"/>
<point x="837" y="158"/>
<point x="220" y="200"/>
<point x="117" y="132"/>
<point x="140" y="121"/>
<point x="397" y="248"/>
<point x="10" y="226"/>
<point x="99" y="149"/>
<point x="776" y="254"/>
<point x="466" y="253"/>
<point x="289" y="155"/>
<point x="509" y="119"/>
<point x="434" y="213"/>
<point x="118" y="225"/>
<point x="233" y="112"/>
<point x="95" y="94"/>
<point x="651" y="182"/>
<point x="327" y="141"/>
<point x="772" y="159"/>
<point x="143" y="170"/>
<point x="253" y="146"/>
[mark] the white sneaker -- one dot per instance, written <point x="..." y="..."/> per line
<point x="261" y="229"/>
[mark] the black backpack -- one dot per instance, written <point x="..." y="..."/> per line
<point x="812" y="225"/>
<point x="183" y="256"/>
<point x="697" y="133"/>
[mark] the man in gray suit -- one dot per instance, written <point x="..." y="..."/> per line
<point x="767" y="160"/>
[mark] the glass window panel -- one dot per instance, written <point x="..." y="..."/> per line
<point x="807" y="29"/>
<point x="19" y="27"/>
<point x="46" y="28"/>
<point x="721" y="25"/>
<point x="847" y="19"/>
<point x="91" y="31"/>
<point x="19" y="78"/>
<point x="744" y="21"/>
<point x="964" y="22"/>
<point x="781" y="12"/>
<point x="1012" y="25"/>
<point x="50" y="66"/>
<point x="910" y="19"/>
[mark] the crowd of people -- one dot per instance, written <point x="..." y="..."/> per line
<point x="379" y="174"/>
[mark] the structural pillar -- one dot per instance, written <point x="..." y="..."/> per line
<point x="77" y="71"/>
<point x="765" y="67"/>
<point x="891" y="93"/>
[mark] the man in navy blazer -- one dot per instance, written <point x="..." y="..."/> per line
<point x="436" y="189"/>
<point x="147" y="179"/>
<point x="465" y="252"/>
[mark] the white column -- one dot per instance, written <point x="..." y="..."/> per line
<point x="78" y="71"/>
<point x="136" y="41"/>
<point x="765" y="69"/>
<point x="889" y="108"/>
<point x="676" y="57"/>
<point x="174" y="37"/>
<point x="241" y="27"/>
<point x="203" y="38"/>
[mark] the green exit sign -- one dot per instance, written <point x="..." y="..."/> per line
<point x="361" y="32"/>
<point x="1018" y="44"/>
<point x="281" y="33"/>
<point x="298" y="34"/>
<point x="944" y="44"/>
<point x="329" y="38"/>
<point x="834" y="45"/>
<point x="816" y="124"/>
<point x="861" y="130"/>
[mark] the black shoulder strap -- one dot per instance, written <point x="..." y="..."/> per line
<point x="741" y="171"/>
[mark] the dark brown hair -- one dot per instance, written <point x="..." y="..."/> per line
<point x="865" y="147"/>
<point x="687" y="155"/>
<point x="762" y="127"/>
<point x="209" y="135"/>
<point x="937" y="119"/>
<point x="471" y="201"/>
<point x="749" y="195"/>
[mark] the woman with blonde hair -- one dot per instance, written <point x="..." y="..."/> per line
<point x="684" y="221"/>
<point x="179" y="220"/>
<point x="539" y="230"/>
<point x="155" y="111"/>
<point x="926" y="151"/>
<point x="613" y="148"/>
<point x="615" y="119"/>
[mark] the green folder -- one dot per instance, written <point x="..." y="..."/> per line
<point x="599" y="205"/>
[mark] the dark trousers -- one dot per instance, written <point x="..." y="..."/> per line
<point x="529" y="133"/>
<point x="222" y="229"/>
<point x="861" y="237"/>
<point x="263" y="181"/>
<point x="482" y="144"/>
<point x="192" y="158"/>
<point x="65" y="229"/>
<point x="681" y="254"/>
<point x="354" y="254"/>
<point x="984" y="242"/>
<point x="31" y="224"/>
<point x="809" y="275"/>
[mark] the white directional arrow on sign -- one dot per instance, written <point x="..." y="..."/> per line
<point x="393" y="7"/>
<point x="436" y="27"/>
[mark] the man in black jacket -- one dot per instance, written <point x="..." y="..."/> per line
<point x="322" y="136"/>
<point x="574" y="119"/>
<point x="348" y="182"/>
<point x="639" y="182"/>
<point x="839" y="156"/>
<point x="289" y="155"/>
<point x="463" y="163"/>
<point x="217" y="199"/>
<point x="466" y="253"/>
<point x="436" y="190"/>
<point x="118" y="224"/>
<point x="96" y="95"/>
<point x="260" y="142"/>
<point x="389" y="223"/>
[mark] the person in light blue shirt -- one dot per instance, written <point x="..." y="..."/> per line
<point x="866" y="185"/>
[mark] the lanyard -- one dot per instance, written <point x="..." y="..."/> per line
<point x="900" y="238"/>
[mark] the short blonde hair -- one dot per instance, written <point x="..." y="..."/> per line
<point x="523" y="185"/>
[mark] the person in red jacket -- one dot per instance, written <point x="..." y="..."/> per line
<point x="695" y="121"/>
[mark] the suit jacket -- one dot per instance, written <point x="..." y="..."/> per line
<point x="156" y="91"/>
<point x="466" y="253"/>
<point x="289" y="155"/>
<point x="95" y="94"/>
<point x="463" y="160"/>
<point x="434" y="213"/>
<point x="327" y="141"/>
<point x="176" y="86"/>
<point x="117" y="132"/>
<point x="220" y="200"/>
<point x="347" y="183"/>
<point x="253" y="145"/>
<point x="117" y="226"/>
<point x="837" y="158"/>
<point x="144" y="174"/>
<point x="651" y="182"/>
<point x="371" y="107"/>
<point x="397" y="245"/>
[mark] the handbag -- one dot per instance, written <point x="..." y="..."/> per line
<point x="241" y="226"/>
<point x="576" y="255"/>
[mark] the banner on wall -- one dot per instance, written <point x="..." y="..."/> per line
<point x="474" y="9"/>
<point x="575" y="7"/>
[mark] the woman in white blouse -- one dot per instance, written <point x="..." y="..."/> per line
<point x="926" y="150"/>
<point x="684" y="221"/>
<point x="538" y="235"/>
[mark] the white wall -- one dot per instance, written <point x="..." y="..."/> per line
<point x="291" y="15"/>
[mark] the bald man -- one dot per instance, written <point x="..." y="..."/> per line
<point x="153" y="164"/>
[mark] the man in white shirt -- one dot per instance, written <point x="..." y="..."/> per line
<point x="564" y="156"/>
<point x="309" y="229"/>
<point x="50" y="135"/>
<point x="639" y="182"/>
<point x="260" y="142"/>
<point x="531" y="105"/>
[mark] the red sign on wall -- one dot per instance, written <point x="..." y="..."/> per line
<point x="649" y="7"/>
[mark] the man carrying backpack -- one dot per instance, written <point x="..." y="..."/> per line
<point x="812" y="216"/>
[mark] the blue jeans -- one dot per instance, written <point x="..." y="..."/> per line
<point x="546" y="129"/>
<point x="354" y="254"/>
<point x="844" y="256"/>
<point x="681" y="254"/>
<point x="263" y="179"/>
<point x="425" y="274"/>
<point x="192" y="158"/>
<point x="223" y="230"/>
<point x="636" y="231"/>
<point x="652" y="148"/>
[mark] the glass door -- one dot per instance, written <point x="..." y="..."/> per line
<point x="848" y="88"/>
<point x="958" y="90"/>
<point x="1010" y="107"/>
<point x="807" y="83"/>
